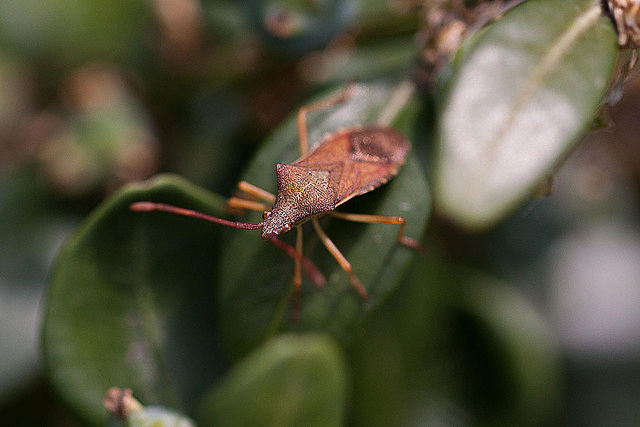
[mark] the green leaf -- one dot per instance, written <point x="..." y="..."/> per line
<point x="296" y="28"/>
<point x="368" y="62"/>
<point x="523" y="91"/>
<point x="405" y="331"/>
<point x="66" y="33"/>
<point x="507" y="364"/>
<point x="460" y="348"/>
<point x="294" y="380"/>
<point x="131" y="303"/>
<point x="256" y="281"/>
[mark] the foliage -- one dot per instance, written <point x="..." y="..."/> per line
<point x="195" y="318"/>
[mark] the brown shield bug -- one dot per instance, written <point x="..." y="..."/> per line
<point x="344" y="164"/>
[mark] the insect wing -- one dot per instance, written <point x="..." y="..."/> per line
<point x="358" y="160"/>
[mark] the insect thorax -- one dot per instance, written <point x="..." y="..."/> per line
<point x="302" y="193"/>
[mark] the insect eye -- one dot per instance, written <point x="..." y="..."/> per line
<point x="266" y="214"/>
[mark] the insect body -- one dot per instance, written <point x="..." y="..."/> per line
<point x="345" y="164"/>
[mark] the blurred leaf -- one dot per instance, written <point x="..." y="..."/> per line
<point x="30" y="235"/>
<point x="35" y="406"/>
<point x="256" y="281"/>
<point x="16" y="100"/>
<point x="131" y="303"/>
<point x="374" y="61"/>
<point x="210" y="150"/>
<point x="397" y="356"/>
<point x="19" y="310"/>
<point x="294" y="380"/>
<point x="224" y="20"/>
<point x="66" y="33"/>
<point x="295" y="27"/>
<point x="381" y="20"/>
<point x="459" y="349"/>
<point x="506" y="364"/>
<point x="105" y="137"/>
<point x="522" y="92"/>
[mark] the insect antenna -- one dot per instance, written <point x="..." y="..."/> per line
<point x="312" y="271"/>
<point x="151" y="206"/>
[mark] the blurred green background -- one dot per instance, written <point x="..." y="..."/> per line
<point x="98" y="93"/>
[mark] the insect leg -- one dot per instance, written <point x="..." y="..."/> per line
<point x="382" y="219"/>
<point x="297" y="272"/>
<point x="242" y="203"/>
<point x="238" y="203"/>
<point x="309" y="267"/>
<point x="343" y="96"/>
<point x="297" y="275"/>
<point x="335" y="252"/>
<point x="256" y="191"/>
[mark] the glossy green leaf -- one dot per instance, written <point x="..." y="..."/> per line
<point x="294" y="380"/>
<point x="507" y="365"/>
<point x="131" y="303"/>
<point x="397" y="355"/>
<point x="522" y="92"/>
<point x="256" y="278"/>
<point x="460" y="348"/>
